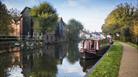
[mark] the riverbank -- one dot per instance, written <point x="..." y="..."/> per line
<point x="110" y="62"/>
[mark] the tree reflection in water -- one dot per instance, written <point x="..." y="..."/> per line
<point x="45" y="61"/>
<point x="73" y="52"/>
<point x="40" y="63"/>
<point x="8" y="60"/>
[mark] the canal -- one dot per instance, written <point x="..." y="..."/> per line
<point x="58" y="60"/>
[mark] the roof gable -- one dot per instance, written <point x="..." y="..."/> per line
<point x="26" y="8"/>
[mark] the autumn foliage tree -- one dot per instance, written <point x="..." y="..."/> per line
<point x="123" y="20"/>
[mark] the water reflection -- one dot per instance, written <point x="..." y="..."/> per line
<point x="87" y="64"/>
<point x="8" y="61"/>
<point x="70" y="70"/>
<point x="40" y="62"/>
<point x="58" y="60"/>
<point x="73" y="52"/>
<point x="14" y="71"/>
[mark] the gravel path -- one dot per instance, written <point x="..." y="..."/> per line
<point x="129" y="62"/>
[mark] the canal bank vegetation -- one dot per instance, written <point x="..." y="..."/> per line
<point x="110" y="62"/>
<point x="134" y="45"/>
<point x="122" y="23"/>
<point x="45" y="17"/>
<point x="5" y="18"/>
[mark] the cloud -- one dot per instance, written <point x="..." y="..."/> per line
<point x="72" y="3"/>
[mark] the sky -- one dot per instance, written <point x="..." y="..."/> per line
<point x="91" y="13"/>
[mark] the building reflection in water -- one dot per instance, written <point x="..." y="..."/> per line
<point x="10" y="63"/>
<point x="42" y="61"/>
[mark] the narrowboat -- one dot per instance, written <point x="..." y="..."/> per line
<point x="94" y="45"/>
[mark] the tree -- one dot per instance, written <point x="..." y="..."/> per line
<point x="5" y="19"/>
<point x="121" y="20"/>
<point x="73" y="52"/>
<point x="15" y="14"/>
<point x="46" y="16"/>
<point x="134" y="28"/>
<point x="74" y="28"/>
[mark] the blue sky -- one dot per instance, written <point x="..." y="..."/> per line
<point x="91" y="13"/>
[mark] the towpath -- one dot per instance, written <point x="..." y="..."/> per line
<point x="129" y="62"/>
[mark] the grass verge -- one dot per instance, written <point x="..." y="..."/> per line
<point x="134" y="45"/>
<point x="110" y="62"/>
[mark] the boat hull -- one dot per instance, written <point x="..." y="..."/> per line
<point x="86" y="55"/>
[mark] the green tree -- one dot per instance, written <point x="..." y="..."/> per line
<point x="121" y="20"/>
<point x="46" y="17"/>
<point x="5" y="19"/>
<point x="73" y="52"/>
<point x="74" y="28"/>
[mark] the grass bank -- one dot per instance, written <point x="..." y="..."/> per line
<point x="132" y="44"/>
<point x="110" y="62"/>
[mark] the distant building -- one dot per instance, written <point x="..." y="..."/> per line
<point x="84" y="34"/>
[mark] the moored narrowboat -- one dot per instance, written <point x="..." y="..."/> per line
<point x="93" y="45"/>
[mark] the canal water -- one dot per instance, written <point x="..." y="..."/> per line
<point x="58" y="60"/>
